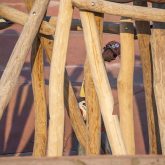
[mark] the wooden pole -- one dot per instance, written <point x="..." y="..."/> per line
<point x="38" y="84"/>
<point x="69" y="96"/>
<point x="11" y="73"/>
<point x="101" y="82"/>
<point x="144" y="33"/>
<point x="56" y="83"/>
<point x="40" y="140"/>
<point x="135" y="12"/>
<point x="91" y="99"/>
<point x="158" y="51"/>
<point x="125" y="84"/>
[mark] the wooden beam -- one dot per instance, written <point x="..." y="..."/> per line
<point x="134" y="12"/>
<point x="56" y="83"/>
<point x="125" y="84"/>
<point x="101" y="82"/>
<point x="91" y="99"/>
<point x="144" y="34"/>
<point x="158" y="52"/>
<point x="38" y="84"/>
<point x="97" y="160"/>
<point x="12" y="71"/>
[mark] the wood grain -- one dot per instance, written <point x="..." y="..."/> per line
<point x="12" y="71"/>
<point x="125" y="84"/>
<point x="101" y="82"/>
<point x="93" y="110"/>
<point x="20" y="17"/>
<point x="143" y="34"/>
<point x="56" y="83"/>
<point x="134" y="12"/>
<point x="86" y="160"/>
<point x="70" y="100"/>
<point x="158" y="51"/>
<point x="38" y="84"/>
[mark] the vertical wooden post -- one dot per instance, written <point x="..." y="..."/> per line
<point x="101" y="82"/>
<point x="144" y="34"/>
<point x="93" y="109"/>
<point x="40" y="140"/>
<point x="70" y="100"/>
<point x="56" y="83"/>
<point x="38" y="84"/>
<point x="125" y="84"/>
<point x="11" y="73"/>
<point x="158" y="55"/>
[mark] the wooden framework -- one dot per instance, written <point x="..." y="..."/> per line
<point x="120" y="133"/>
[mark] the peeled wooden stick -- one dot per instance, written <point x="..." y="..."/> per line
<point x="135" y="12"/>
<point x="125" y="84"/>
<point x="40" y="140"/>
<point x="56" y="83"/>
<point x="11" y="73"/>
<point x="158" y="51"/>
<point x="101" y="83"/>
<point x="91" y="99"/>
<point x="143" y="34"/>
<point x="38" y="84"/>
<point x="70" y="100"/>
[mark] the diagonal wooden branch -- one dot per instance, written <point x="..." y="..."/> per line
<point x="93" y="109"/>
<point x="12" y="71"/>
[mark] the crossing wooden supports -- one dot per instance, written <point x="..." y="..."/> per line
<point x="56" y="83"/>
<point x="125" y="84"/>
<point x="101" y="82"/>
<point x="70" y="100"/>
<point x="11" y="73"/>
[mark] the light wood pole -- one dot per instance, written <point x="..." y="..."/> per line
<point x="56" y="83"/>
<point x="12" y="71"/>
<point x="158" y="55"/>
<point x="101" y="82"/>
<point x="125" y="84"/>
<point x="91" y="99"/>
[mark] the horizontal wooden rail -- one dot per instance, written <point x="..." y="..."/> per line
<point x="135" y="12"/>
<point x="86" y="160"/>
<point x="126" y="1"/>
